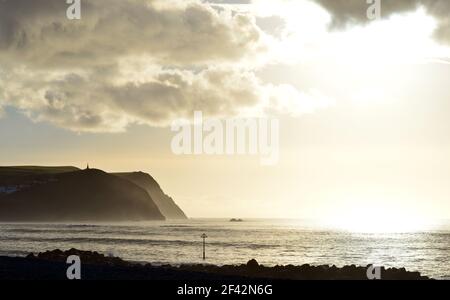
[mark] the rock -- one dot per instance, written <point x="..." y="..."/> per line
<point x="250" y="270"/>
<point x="87" y="257"/>
<point x="252" y="264"/>
<point x="30" y="256"/>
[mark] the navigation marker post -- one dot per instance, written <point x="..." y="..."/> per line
<point x="204" y="236"/>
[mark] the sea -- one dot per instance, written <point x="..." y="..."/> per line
<point x="270" y="242"/>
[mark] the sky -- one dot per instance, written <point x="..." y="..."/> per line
<point x="362" y="104"/>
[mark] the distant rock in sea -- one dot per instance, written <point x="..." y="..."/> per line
<point x="45" y="194"/>
<point x="236" y="220"/>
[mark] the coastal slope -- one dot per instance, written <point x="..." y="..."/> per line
<point x="165" y="203"/>
<point x="80" y="195"/>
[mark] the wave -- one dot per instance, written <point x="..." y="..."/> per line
<point x="128" y="241"/>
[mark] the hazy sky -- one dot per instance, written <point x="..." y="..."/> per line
<point x="363" y="105"/>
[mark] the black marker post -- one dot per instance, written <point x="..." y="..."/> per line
<point x="204" y="236"/>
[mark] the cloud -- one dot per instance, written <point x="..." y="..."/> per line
<point x="129" y="61"/>
<point x="351" y="12"/>
<point x="82" y="104"/>
<point x="39" y="33"/>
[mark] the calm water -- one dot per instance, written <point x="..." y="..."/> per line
<point x="271" y="242"/>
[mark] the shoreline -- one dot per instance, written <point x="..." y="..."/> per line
<point x="51" y="265"/>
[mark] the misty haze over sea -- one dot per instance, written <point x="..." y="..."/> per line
<point x="271" y="242"/>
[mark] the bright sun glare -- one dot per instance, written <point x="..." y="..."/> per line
<point x="377" y="219"/>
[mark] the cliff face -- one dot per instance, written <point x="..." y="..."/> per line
<point x="88" y="195"/>
<point x="166" y="205"/>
